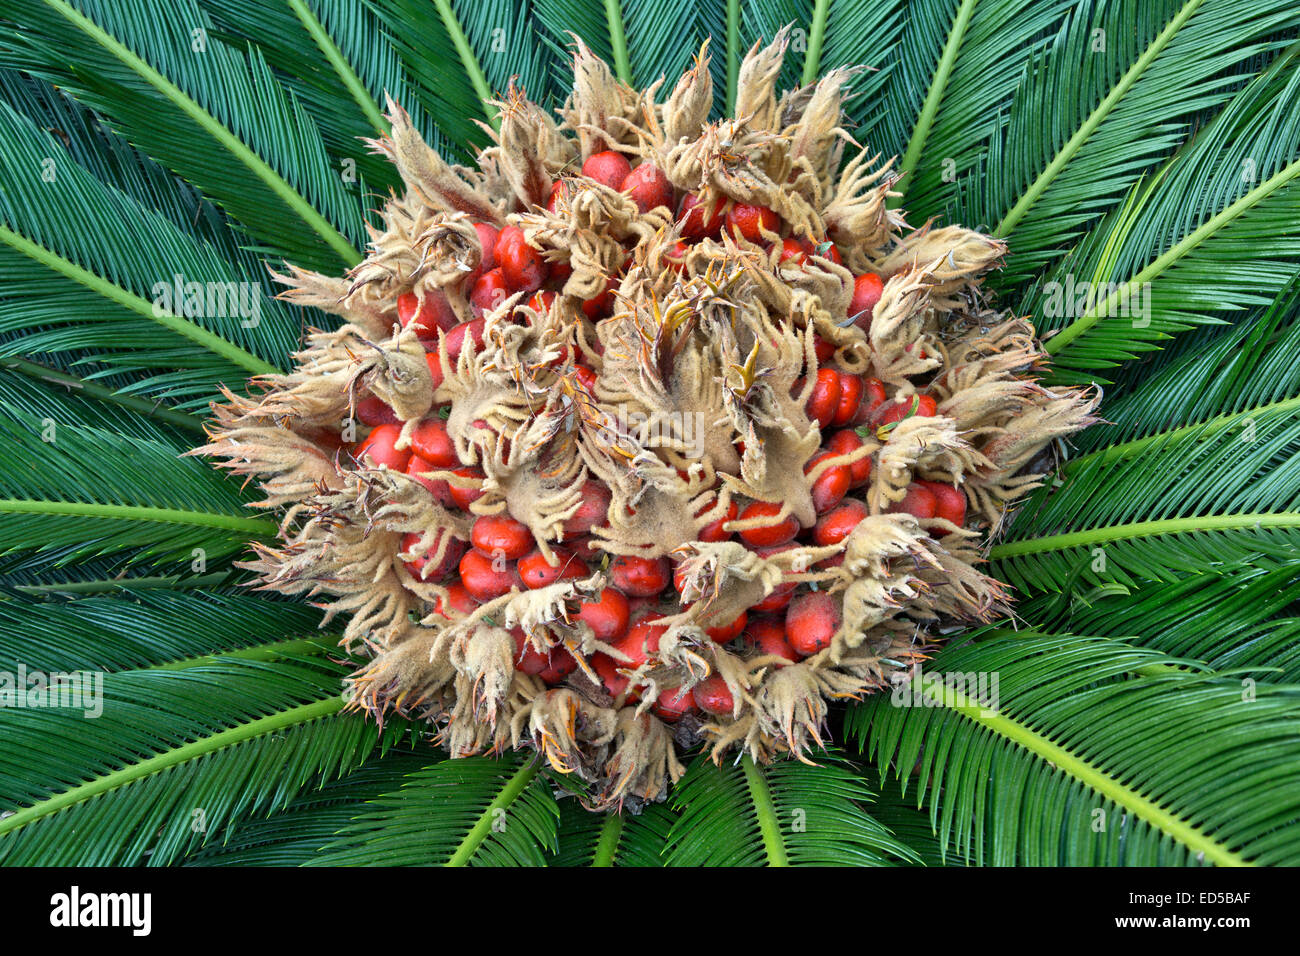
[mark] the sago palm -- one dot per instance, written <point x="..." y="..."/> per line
<point x="1138" y="703"/>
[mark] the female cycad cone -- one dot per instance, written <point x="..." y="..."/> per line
<point x="646" y="431"/>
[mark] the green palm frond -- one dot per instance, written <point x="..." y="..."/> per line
<point x="139" y="500"/>
<point x="623" y="839"/>
<point x="472" y="812"/>
<point x="218" y="118"/>
<point x="175" y="756"/>
<point x="1094" y="753"/>
<point x="778" y="815"/>
<point x="1152" y="144"/>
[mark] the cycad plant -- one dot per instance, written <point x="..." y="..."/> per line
<point x="1139" y="703"/>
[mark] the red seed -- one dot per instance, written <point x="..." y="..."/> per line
<point x="714" y="531"/>
<point x="560" y="665"/>
<point x="851" y="391"/>
<point x="641" y="642"/>
<point x="751" y="221"/>
<point x="420" y="566"/>
<point x="458" y="598"/>
<point x="528" y="659"/>
<point x="378" y="448"/>
<point x="919" y="501"/>
<point x="607" y="616"/>
<point x="844" y="443"/>
<point x="920" y="406"/>
<point x="418" y="467"/>
<point x="648" y="187"/>
<point x="522" y="265"/>
<point x="433" y="314"/>
<point x="486" y="578"/>
<point x="774" y="534"/>
<point x="867" y="289"/>
<point x="836" y="525"/>
<point x="464" y="497"/>
<point x="831" y="485"/>
<point x="601" y="305"/>
<point x="767" y="636"/>
<point x="373" y="410"/>
<point x="501" y="535"/>
<point x="455" y="338"/>
<point x="639" y="577"/>
<point x="793" y="252"/>
<point x="811" y="622"/>
<point x="675" y="255"/>
<point x="614" y="683"/>
<point x="825" y="397"/>
<point x="713" y="696"/>
<point x="694" y="226"/>
<point x="950" y="502"/>
<point x="487" y="240"/>
<point x="488" y="292"/>
<point x="435" y="368"/>
<point x="608" y="168"/>
<point x="536" y="572"/>
<point x="591" y="512"/>
<point x="728" y="632"/>
<point x="431" y="442"/>
<point x="674" y="704"/>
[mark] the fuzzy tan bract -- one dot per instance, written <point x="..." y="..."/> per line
<point x="725" y="340"/>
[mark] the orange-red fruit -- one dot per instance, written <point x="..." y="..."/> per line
<point x="487" y="238"/>
<point x="827" y="250"/>
<point x="949" y="502"/>
<point x="641" y="642"/>
<point x="823" y="349"/>
<point x="418" y="467"/>
<point x="713" y="531"/>
<point x="535" y="572"/>
<point x="922" y="406"/>
<point x="489" y="291"/>
<point x="607" y="616"/>
<point x="867" y="289"/>
<point x="458" y="598"/>
<point x="919" y="501"/>
<point x="527" y="658"/>
<point x="675" y="256"/>
<point x="844" y="443"/>
<point x="432" y="443"/>
<point x="433" y="314"/>
<point x="674" y="704"/>
<point x="501" y="535"/>
<point x="373" y="410"/>
<point x="464" y="497"/>
<point x="727" y="632"/>
<point x="811" y="621"/>
<point x="523" y="266"/>
<point x="591" y="512"/>
<point x="825" y="397"/>
<point x="648" y="187"/>
<point x="851" y="390"/>
<point x="640" y="577"/>
<point x="751" y="221"/>
<point x="793" y="252"/>
<point x="599" y="306"/>
<point x="694" y="226"/>
<point x="560" y="664"/>
<point x="713" y="696"/>
<point x="421" y="567"/>
<point x="455" y="338"/>
<point x="831" y="485"/>
<point x="378" y="448"/>
<point x="614" y="683"/>
<point x="773" y="534"/>
<point x="608" y="168"/>
<point x="767" y="636"/>
<point x="836" y="525"/>
<point x="486" y="578"/>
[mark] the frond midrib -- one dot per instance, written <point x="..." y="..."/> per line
<point x="1144" y="529"/>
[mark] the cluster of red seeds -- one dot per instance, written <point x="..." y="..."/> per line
<point x="791" y="622"/>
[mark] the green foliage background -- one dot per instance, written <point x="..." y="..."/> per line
<point x="1150" y="687"/>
